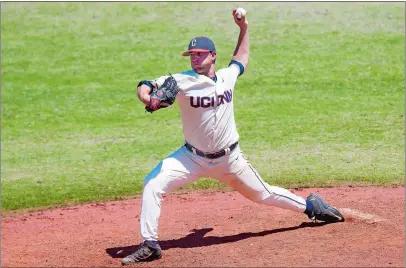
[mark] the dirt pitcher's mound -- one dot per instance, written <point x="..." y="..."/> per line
<point x="215" y="229"/>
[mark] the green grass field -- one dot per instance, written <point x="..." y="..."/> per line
<point x="321" y="104"/>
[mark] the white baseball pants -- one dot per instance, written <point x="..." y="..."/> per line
<point x="183" y="167"/>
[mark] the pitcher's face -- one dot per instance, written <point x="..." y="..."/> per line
<point x="202" y="61"/>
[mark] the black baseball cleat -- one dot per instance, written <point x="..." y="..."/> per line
<point x="147" y="251"/>
<point x="321" y="211"/>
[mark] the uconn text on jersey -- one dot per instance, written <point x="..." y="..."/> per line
<point x="206" y="102"/>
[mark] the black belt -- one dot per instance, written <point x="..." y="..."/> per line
<point x="211" y="155"/>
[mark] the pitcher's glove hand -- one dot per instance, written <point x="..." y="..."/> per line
<point x="164" y="96"/>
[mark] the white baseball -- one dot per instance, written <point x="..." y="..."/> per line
<point x="240" y="12"/>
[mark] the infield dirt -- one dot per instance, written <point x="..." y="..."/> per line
<point x="215" y="229"/>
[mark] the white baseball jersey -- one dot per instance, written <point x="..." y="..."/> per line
<point x="207" y="108"/>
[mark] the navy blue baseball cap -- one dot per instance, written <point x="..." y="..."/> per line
<point x="200" y="44"/>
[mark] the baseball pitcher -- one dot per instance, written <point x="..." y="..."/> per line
<point x="205" y="97"/>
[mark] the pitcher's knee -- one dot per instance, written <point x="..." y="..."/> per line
<point x="272" y="189"/>
<point x="152" y="188"/>
<point x="269" y="192"/>
<point x="255" y="196"/>
<point x="264" y="194"/>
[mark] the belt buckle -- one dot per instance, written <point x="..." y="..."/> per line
<point x="194" y="150"/>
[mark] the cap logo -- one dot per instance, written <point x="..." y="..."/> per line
<point x="193" y="42"/>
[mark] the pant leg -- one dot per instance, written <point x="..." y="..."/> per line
<point x="238" y="173"/>
<point x="173" y="172"/>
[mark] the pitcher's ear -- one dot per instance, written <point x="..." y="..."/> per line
<point x="214" y="55"/>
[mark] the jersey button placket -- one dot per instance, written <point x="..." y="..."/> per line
<point x="215" y="112"/>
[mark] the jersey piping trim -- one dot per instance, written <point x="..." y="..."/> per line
<point x="256" y="175"/>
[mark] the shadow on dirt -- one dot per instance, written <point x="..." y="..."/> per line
<point x="198" y="239"/>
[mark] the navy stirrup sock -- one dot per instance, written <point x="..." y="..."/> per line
<point x="309" y="208"/>
<point x="152" y="243"/>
